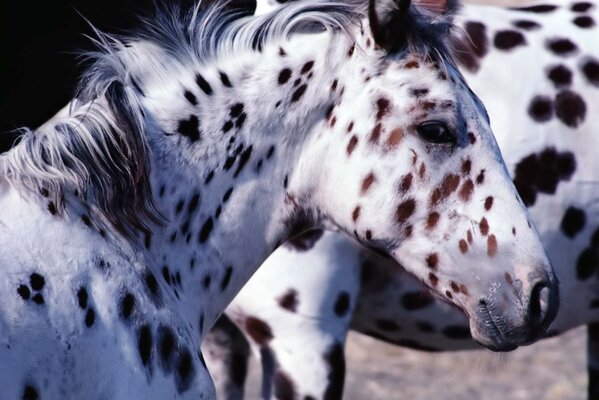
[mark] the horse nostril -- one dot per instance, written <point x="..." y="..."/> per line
<point x="538" y="304"/>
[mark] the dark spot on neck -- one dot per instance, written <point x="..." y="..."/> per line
<point x="508" y="39"/>
<point x="561" y="46"/>
<point x="203" y="84"/>
<point x="284" y="76"/>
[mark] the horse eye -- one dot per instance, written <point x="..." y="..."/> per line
<point x="436" y="132"/>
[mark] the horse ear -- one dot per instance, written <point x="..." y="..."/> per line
<point x="385" y="24"/>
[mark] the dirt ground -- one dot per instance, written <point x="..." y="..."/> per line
<point x="553" y="369"/>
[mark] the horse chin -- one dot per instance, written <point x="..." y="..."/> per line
<point x="488" y="335"/>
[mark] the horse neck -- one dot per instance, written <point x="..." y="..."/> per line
<point x="223" y="151"/>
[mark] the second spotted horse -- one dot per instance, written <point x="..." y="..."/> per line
<point x="537" y="69"/>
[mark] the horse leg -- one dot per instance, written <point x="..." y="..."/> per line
<point x="226" y="353"/>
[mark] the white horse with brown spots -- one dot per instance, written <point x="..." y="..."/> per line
<point x="319" y="285"/>
<point x="196" y="147"/>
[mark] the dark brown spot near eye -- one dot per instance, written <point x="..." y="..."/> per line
<point x="570" y="108"/>
<point x="432" y="220"/>
<point x="466" y="190"/>
<point x="463" y="246"/>
<point x="433" y="279"/>
<point x="382" y="108"/>
<point x="432" y="261"/>
<point x="355" y="214"/>
<point x="449" y="185"/>
<point x="508" y="39"/>
<point x="466" y="167"/>
<point x="394" y="138"/>
<point x="406" y="183"/>
<point x="353" y="142"/>
<point x="367" y="182"/>
<point x="376" y="133"/>
<point x="492" y="246"/>
<point x="284" y="76"/>
<point x="584" y="21"/>
<point x="484" y="226"/>
<point x="405" y="210"/>
<point x="561" y="46"/>
<point x="488" y="203"/>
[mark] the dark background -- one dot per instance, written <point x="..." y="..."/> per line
<point x="39" y="46"/>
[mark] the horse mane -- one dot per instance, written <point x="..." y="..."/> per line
<point x="99" y="151"/>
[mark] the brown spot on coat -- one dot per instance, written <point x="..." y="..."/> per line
<point x="356" y="214"/>
<point x="353" y="142"/>
<point x="283" y="386"/>
<point x="484" y="226"/>
<point x="433" y="279"/>
<point x="492" y="246"/>
<point x="367" y="183"/>
<point x="481" y="177"/>
<point x="289" y="300"/>
<point x="376" y="133"/>
<point x="284" y="76"/>
<point x="448" y="186"/>
<point x="405" y="210"/>
<point x="432" y="261"/>
<point x="432" y="220"/>
<point x="488" y="203"/>
<point x="570" y="108"/>
<point x="463" y="246"/>
<point x="466" y="190"/>
<point x="412" y="64"/>
<point x="394" y="138"/>
<point x="406" y="183"/>
<point x="466" y="167"/>
<point x="258" y="330"/>
<point x="382" y="108"/>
